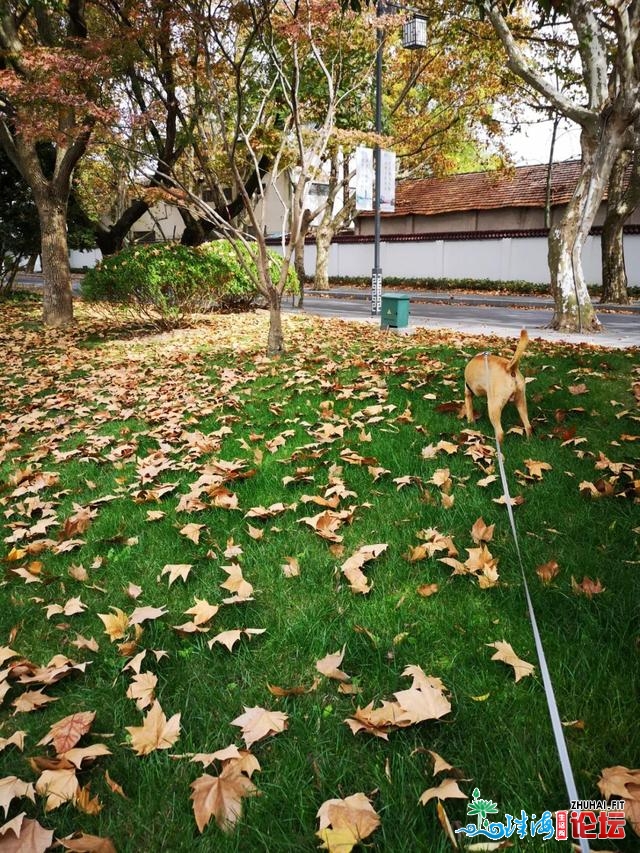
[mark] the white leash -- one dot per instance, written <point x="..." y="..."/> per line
<point x="558" y="733"/>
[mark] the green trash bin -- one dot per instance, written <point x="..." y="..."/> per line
<point x="394" y="311"/>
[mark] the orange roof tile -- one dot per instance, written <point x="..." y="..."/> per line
<point x="524" y="186"/>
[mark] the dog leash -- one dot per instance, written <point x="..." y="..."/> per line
<point x="552" y="705"/>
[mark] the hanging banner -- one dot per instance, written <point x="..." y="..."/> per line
<point x="387" y="181"/>
<point x="364" y="178"/>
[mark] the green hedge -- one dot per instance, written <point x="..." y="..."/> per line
<point x="171" y="280"/>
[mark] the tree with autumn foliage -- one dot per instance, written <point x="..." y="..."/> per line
<point x="602" y="36"/>
<point x="50" y="76"/>
<point x="438" y="106"/>
<point x="253" y="111"/>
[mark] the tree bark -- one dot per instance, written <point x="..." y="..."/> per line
<point x="621" y="202"/>
<point x="324" y="236"/>
<point x="574" y="309"/>
<point x="275" y="340"/>
<point x="57" y="303"/>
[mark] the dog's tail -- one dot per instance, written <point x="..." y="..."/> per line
<point x="522" y="345"/>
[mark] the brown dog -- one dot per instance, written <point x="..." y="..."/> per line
<point x="499" y="380"/>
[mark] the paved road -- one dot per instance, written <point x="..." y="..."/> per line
<point x="620" y="330"/>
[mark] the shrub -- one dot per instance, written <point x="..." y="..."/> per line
<point x="166" y="281"/>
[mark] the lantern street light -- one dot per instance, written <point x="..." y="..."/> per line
<point x="414" y="35"/>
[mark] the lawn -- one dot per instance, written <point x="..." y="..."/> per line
<point x="190" y="533"/>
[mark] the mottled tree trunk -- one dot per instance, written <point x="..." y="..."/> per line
<point x="324" y="236"/>
<point x="275" y="341"/>
<point x="622" y="200"/>
<point x="574" y="310"/>
<point x="57" y="302"/>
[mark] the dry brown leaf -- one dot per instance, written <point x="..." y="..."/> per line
<point x="6" y="653"/>
<point x="144" y="614"/>
<point x="115" y="787"/>
<point x="506" y="654"/>
<point x="354" y="815"/>
<point x="447" y="789"/>
<point x="291" y="569"/>
<point x="115" y="624"/>
<point x="202" y="611"/>
<point x="230" y="638"/>
<point x="176" y="570"/>
<point x="142" y="689"/>
<point x="257" y="723"/>
<point x="427" y="589"/>
<point x="82" y="843"/>
<point x="548" y="571"/>
<point x="66" y="733"/>
<point x="16" y="739"/>
<point x="79" y="755"/>
<point x="446" y="825"/>
<point x="192" y="532"/>
<point x="156" y="732"/>
<point x="236" y="583"/>
<point x="587" y="587"/>
<point x="84" y="803"/>
<point x="31" y="700"/>
<point x="329" y="666"/>
<point x="58" y="786"/>
<point x="22" y="835"/>
<point x="480" y="532"/>
<point x="12" y="788"/>
<point x="221" y="797"/>
<point x="81" y="642"/>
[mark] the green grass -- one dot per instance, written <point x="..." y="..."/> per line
<point x="90" y="405"/>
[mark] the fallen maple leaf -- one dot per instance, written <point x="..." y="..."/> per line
<point x="257" y="723"/>
<point x="31" y="700"/>
<point x="192" y="532"/>
<point x="329" y="666"/>
<point x="202" y="611"/>
<point x="236" y="583"/>
<point x="143" y="614"/>
<point x="506" y="654"/>
<point x="548" y="571"/>
<point x="58" y="786"/>
<point x="30" y="836"/>
<point x="447" y="789"/>
<point x="142" y="689"/>
<point x="175" y="571"/>
<point x="291" y="569"/>
<point x="624" y="783"/>
<point x="221" y="797"/>
<point x="16" y="739"/>
<point x="11" y="788"/>
<point x="115" y="624"/>
<point x="156" y="732"/>
<point x="230" y="638"/>
<point x="587" y="587"/>
<point x="346" y="821"/>
<point x="66" y="733"/>
<point x="480" y="532"/>
<point x="82" y="843"/>
<point x="427" y="589"/>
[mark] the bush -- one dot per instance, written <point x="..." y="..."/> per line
<point x="166" y="281"/>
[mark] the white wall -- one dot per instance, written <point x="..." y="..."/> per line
<point x="500" y="259"/>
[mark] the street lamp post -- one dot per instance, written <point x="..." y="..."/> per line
<point x="414" y="35"/>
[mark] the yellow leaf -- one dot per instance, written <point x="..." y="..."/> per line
<point x="506" y="654"/>
<point x="155" y="733"/>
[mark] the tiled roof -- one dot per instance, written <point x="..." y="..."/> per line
<point x="524" y="186"/>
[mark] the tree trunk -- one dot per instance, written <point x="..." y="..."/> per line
<point x="275" y="341"/>
<point x="574" y="310"/>
<point x="57" y="302"/>
<point x="621" y="202"/>
<point x="324" y="236"/>
<point x="111" y="239"/>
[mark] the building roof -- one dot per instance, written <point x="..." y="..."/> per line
<point x="523" y="186"/>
